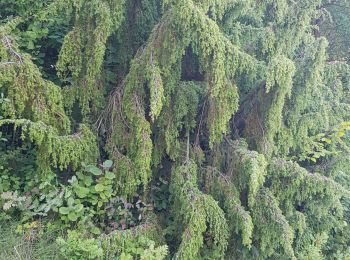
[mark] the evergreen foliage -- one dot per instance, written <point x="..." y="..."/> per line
<point x="189" y="129"/>
<point x="198" y="214"/>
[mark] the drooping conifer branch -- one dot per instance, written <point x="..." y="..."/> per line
<point x="199" y="214"/>
<point x="151" y="74"/>
<point x="29" y="94"/>
<point x="82" y="54"/>
<point x="55" y="150"/>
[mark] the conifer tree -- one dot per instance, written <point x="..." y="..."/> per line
<point x="238" y="105"/>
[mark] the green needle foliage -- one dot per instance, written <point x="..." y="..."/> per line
<point x="184" y="129"/>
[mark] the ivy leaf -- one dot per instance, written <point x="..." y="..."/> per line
<point x="94" y="170"/>
<point x="107" y="164"/>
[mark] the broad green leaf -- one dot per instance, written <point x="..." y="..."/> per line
<point x="70" y="202"/>
<point x="94" y="170"/>
<point x="81" y="192"/>
<point x="87" y="181"/>
<point x="79" y="207"/>
<point x="99" y="187"/>
<point x="110" y="175"/>
<point x="72" y="216"/>
<point x="103" y="196"/>
<point x="107" y="164"/>
<point x="64" y="210"/>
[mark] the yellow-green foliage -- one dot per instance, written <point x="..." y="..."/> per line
<point x="303" y="115"/>
<point x="262" y="221"/>
<point x="275" y="236"/>
<point x="209" y="70"/>
<point x="276" y="34"/>
<point x="298" y="184"/>
<point x="199" y="214"/>
<point x="181" y="117"/>
<point x="30" y="96"/>
<point x="247" y="169"/>
<point x="153" y="67"/>
<point x="54" y="150"/>
<point x="320" y="101"/>
<point x="156" y="90"/>
<point x="145" y="241"/>
<point x="279" y="81"/>
<point x="81" y="56"/>
<point x="244" y="172"/>
<point x="276" y="205"/>
<point x="318" y="196"/>
<point x="223" y="190"/>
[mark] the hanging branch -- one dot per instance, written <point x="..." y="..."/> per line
<point x="8" y="45"/>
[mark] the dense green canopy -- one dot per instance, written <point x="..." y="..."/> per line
<point x="189" y="129"/>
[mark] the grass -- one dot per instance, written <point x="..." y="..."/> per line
<point x="28" y="246"/>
